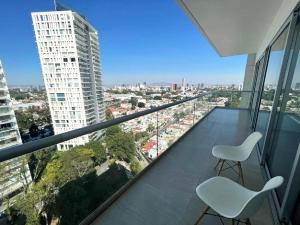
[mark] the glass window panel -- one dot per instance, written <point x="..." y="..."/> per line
<point x="256" y="87"/>
<point x="270" y="84"/>
<point x="286" y="134"/>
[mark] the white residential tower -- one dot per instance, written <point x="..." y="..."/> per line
<point x="69" y="56"/>
<point x="14" y="173"/>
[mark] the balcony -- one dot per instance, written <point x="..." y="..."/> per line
<point x="165" y="193"/>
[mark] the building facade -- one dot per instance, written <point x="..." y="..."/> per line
<point x="68" y="48"/>
<point x="14" y="174"/>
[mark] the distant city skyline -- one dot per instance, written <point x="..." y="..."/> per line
<point x="154" y="42"/>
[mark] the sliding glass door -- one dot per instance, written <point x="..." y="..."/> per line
<point x="286" y="133"/>
<point x="270" y="84"/>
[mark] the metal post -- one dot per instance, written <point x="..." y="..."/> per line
<point x="157" y="133"/>
<point x="194" y="113"/>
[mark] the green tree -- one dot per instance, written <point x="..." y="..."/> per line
<point x="113" y="130"/>
<point x="133" y="101"/>
<point x="34" y="130"/>
<point x="38" y="161"/>
<point x="140" y="135"/>
<point x="31" y="205"/>
<point x="157" y="97"/>
<point x="99" y="151"/>
<point x="141" y="105"/>
<point x="150" y="127"/>
<point x="108" y="114"/>
<point x="121" y="146"/>
<point x="135" y="167"/>
<point x="68" y="166"/>
<point x="24" y="119"/>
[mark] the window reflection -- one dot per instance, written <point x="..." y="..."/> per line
<point x="287" y="132"/>
<point x="270" y="84"/>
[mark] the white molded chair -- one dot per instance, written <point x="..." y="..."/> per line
<point x="237" y="154"/>
<point x="231" y="200"/>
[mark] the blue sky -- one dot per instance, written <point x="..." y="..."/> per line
<point x="140" y="40"/>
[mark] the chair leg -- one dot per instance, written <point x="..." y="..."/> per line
<point x="222" y="164"/>
<point x="218" y="164"/>
<point x="202" y="215"/>
<point x="248" y="222"/>
<point x="241" y="173"/>
<point x="232" y="222"/>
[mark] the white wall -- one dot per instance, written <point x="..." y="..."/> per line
<point x="283" y="13"/>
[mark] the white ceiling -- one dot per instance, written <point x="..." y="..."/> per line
<point x="233" y="27"/>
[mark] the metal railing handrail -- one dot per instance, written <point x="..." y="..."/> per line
<point x="29" y="147"/>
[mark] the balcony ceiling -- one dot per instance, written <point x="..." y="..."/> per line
<point x="233" y="27"/>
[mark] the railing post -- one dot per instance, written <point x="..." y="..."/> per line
<point x="194" y="113"/>
<point x="157" y="133"/>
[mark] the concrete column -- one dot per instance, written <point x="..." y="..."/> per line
<point x="248" y="80"/>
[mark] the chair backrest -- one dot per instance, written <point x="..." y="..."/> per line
<point x="254" y="203"/>
<point x="248" y="145"/>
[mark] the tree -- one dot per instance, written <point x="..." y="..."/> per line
<point x="140" y="135"/>
<point x="24" y="120"/>
<point x="31" y="205"/>
<point x="133" y="101"/>
<point x="67" y="166"/>
<point x="141" y="105"/>
<point x="113" y="130"/>
<point x="121" y="146"/>
<point x="76" y="163"/>
<point x="72" y="202"/>
<point x="99" y="151"/>
<point x="38" y="161"/>
<point x="150" y="127"/>
<point x="135" y="167"/>
<point x="157" y="97"/>
<point x="108" y="114"/>
<point x="23" y="173"/>
<point x="139" y="93"/>
<point x="34" y="130"/>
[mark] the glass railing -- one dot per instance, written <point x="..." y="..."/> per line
<point x="67" y="186"/>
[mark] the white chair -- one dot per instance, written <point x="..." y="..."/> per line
<point x="237" y="154"/>
<point x="231" y="200"/>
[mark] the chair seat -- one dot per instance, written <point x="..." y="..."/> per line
<point x="224" y="196"/>
<point x="227" y="152"/>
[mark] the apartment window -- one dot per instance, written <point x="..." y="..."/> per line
<point x="73" y="59"/>
<point x="52" y="97"/>
<point x="60" y="97"/>
<point x="65" y="59"/>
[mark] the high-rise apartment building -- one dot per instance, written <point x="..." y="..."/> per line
<point x="68" y="47"/>
<point x="14" y="174"/>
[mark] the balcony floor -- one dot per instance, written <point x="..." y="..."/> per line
<point x="165" y="194"/>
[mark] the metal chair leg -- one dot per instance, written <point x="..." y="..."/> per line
<point x="248" y="222"/>
<point x="202" y="215"/>
<point x="232" y="222"/>
<point x="241" y="173"/>
<point x="218" y="163"/>
<point x="222" y="164"/>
